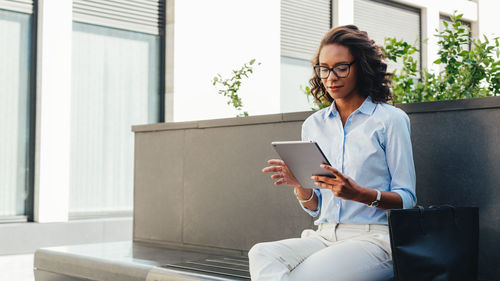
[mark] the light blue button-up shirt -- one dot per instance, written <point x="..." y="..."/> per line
<point x="373" y="148"/>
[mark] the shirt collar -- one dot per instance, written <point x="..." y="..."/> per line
<point x="332" y="110"/>
<point x="367" y="107"/>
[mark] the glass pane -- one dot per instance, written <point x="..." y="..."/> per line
<point x="294" y="77"/>
<point x="15" y="59"/>
<point x="115" y="85"/>
<point x="382" y="20"/>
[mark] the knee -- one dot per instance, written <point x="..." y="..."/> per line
<point x="261" y="250"/>
<point x="256" y="250"/>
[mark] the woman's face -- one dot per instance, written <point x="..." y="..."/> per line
<point x="335" y="55"/>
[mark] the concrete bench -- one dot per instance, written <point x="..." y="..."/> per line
<point x="199" y="192"/>
<point x="135" y="261"/>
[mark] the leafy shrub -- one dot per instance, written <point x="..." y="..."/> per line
<point x="229" y="87"/>
<point x="464" y="73"/>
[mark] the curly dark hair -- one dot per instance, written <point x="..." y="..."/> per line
<point x="372" y="76"/>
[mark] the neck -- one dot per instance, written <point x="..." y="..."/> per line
<point x="346" y="106"/>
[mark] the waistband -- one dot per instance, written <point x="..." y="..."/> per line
<point x="366" y="227"/>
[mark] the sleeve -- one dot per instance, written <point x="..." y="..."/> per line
<point x="399" y="157"/>
<point x="316" y="190"/>
<point x="313" y="213"/>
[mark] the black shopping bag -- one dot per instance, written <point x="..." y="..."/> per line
<point x="434" y="244"/>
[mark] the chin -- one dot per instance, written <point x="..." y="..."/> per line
<point x="336" y="95"/>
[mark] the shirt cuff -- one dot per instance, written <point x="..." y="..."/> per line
<point x="409" y="200"/>
<point x="310" y="212"/>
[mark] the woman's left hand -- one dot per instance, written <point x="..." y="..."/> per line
<point x="342" y="186"/>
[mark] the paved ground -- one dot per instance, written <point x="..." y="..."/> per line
<point x="16" y="268"/>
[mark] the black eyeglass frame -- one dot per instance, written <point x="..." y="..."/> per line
<point x="332" y="69"/>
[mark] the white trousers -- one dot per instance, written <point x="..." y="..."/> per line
<point x="334" y="252"/>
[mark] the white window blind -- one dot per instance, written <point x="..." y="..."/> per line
<point x="115" y="84"/>
<point x="383" y="19"/>
<point x="145" y="16"/>
<point x="303" y="25"/>
<point x="23" y="6"/>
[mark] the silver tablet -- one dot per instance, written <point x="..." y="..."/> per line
<point x="303" y="158"/>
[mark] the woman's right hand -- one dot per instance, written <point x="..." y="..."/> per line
<point x="282" y="174"/>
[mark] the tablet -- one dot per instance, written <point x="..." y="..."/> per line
<point x="303" y="158"/>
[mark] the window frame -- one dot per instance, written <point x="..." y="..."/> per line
<point x="32" y="77"/>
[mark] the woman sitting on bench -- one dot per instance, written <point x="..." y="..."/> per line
<point x="367" y="142"/>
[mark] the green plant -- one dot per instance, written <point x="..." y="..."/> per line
<point x="406" y="85"/>
<point x="319" y="104"/>
<point x="465" y="73"/>
<point x="229" y="87"/>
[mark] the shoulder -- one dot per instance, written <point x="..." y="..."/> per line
<point x="313" y="123"/>
<point x="395" y="122"/>
<point x="391" y="115"/>
<point x="317" y="117"/>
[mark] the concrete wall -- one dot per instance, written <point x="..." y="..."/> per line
<point x="199" y="183"/>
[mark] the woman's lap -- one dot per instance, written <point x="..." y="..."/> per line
<point x="271" y="259"/>
<point x="354" y="260"/>
<point x="310" y="258"/>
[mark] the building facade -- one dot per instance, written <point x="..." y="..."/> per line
<point x="76" y="75"/>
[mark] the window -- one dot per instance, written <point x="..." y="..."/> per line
<point x="303" y="25"/>
<point x="15" y="115"/>
<point x="116" y="83"/>
<point x="383" y="19"/>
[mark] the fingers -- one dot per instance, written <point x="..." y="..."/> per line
<point x="334" y="171"/>
<point x="334" y="184"/>
<point x="276" y="162"/>
<point x="324" y="179"/>
<point x="322" y="184"/>
<point x="272" y="169"/>
<point x="335" y="188"/>
<point x="277" y="176"/>
<point x="279" y="182"/>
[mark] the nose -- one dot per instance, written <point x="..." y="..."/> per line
<point x="332" y="76"/>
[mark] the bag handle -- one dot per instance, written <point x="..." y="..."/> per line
<point x="441" y="206"/>
<point x="420" y="219"/>
<point x="447" y="206"/>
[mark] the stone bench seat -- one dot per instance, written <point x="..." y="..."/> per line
<point x="135" y="261"/>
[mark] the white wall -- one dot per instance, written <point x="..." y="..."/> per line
<point x="53" y="111"/>
<point x="216" y="37"/>
<point x="489" y="23"/>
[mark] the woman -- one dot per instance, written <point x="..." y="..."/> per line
<point x="367" y="142"/>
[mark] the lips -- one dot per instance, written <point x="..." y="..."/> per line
<point x="334" y="87"/>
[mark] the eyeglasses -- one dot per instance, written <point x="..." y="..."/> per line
<point x="340" y="70"/>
